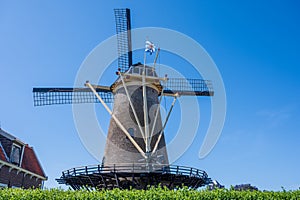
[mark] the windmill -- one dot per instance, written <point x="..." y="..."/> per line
<point x="135" y="152"/>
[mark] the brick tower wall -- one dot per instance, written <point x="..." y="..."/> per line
<point x="119" y="149"/>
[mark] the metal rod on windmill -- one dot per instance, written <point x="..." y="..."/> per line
<point x="165" y="124"/>
<point x="149" y="48"/>
<point x="116" y="119"/>
<point x="131" y="105"/>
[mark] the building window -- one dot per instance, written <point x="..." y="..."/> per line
<point x="15" y="155"/>
<point x="150" y="72"/>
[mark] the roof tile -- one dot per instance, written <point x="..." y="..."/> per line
<point x="30" y="162"/>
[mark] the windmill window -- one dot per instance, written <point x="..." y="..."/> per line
<point x="131" y="132"/>
<point x="15" y="155"/>
<point x="141" y="71"/>
<point x="150" y="72"/>
<point x="136" y="70"/>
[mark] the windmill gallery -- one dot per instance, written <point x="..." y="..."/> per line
<point x="135" y="152"/>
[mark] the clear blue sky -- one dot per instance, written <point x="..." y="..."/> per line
<point x="255" y="45"/>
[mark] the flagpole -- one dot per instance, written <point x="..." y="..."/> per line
<point x="145" y="107"/>
<point x="150" y="48"/>
<point x="156" y="56"/>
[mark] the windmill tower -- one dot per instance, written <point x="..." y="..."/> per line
<point x="135" y="152"/>
<point x="132" y="103"/>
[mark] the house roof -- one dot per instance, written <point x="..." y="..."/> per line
<point x="28" y="158"/>
<point x="30" y="162"/>
<point x="7" y="135"/>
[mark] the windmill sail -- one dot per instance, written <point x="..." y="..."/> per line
<point x="188" y="87"/>
<point x="123" y="27"/>
<point x="52" y="96"/>
<point x="181" y="86"/>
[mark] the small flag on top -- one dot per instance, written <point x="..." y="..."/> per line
<point x="149" y="47"/>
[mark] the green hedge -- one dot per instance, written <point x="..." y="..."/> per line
<point x="153" y="193"/>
